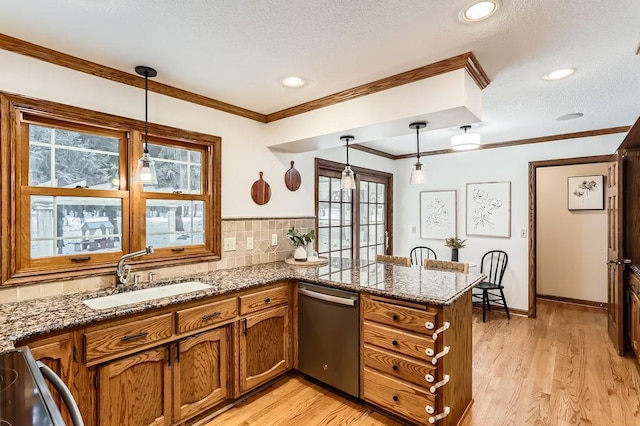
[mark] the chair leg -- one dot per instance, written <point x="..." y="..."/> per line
<point x="484" y="305"/>
<point x="504" y="301"/>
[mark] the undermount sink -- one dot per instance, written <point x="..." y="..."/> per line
<point x="137" y="296"/>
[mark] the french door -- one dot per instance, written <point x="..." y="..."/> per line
<point x="353" y="224"/>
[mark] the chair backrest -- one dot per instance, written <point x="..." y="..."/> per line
<point x="493" y="265"/>
<point x="420" y="253"/>
<point x="396" y="260"/>
<point x="445" y="265"/>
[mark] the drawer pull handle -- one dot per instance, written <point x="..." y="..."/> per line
<point x="445" y="351"/>
<point x="429" y="325"/>
<point x="441" y="329"/>
<point x="440" y="416"/>
<point x="394" y="343"/>
<point x="210" y="316"/>
<point x="394" y="367"/>
<point x="429" y="409"/>
<point x="267" y="300"/>
<point x="429" y="352"/>
<point x="81" y="259"/>
<point x="134" y="336"/>
<point x="429" y="378"/>
<point x="440" y="384"/>
<point x="177" y="250"/>
<point x="395" y="398"/>
<point x="395" y="317"/>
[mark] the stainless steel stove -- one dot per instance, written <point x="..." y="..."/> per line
<point x="25" y="399"/>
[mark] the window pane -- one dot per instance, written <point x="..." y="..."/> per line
<point x="335" y="239"/>
<point x="346" y="254"/>
<point x="364" y="235"/>
<point x="71" y="159"/>
<point x="380" y="214"/>
<point x="372" y="192"/>
<point x="364" y="213"/>
<point x="372" y="234"/>
<point x="323" y="240"/>
<point x="335" y="189"/>
<point x="380" y="234"/>
<point x="381" y="193"/>
<point x="346" y="214"/>
<point x="346" y="195"/>
<point x="323" y="188"/>
<point x="335" y="214"/>
<point x="70" y="225"/>
<point x="176" y="170"/>
<point x="364" y="192"/>
<point x="323" y="213"/>
<point x="174" y="223"/>
<point x="372" y="213"/>
<point x="346" y="237"/>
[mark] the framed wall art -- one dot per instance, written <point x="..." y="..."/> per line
<point x="586" y="192"/>
<point x="437" y="214"/>
<point x="488" y="209"/>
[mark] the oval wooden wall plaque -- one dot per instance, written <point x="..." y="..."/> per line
<point x="292" y="178"/>
<point x="260" y="191"/>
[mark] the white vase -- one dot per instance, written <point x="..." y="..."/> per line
<point x="300" y="254"/>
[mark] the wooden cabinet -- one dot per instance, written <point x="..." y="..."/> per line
<point x="634" y="328"/>
<point x="56" y="352"/>
<point x="136" y="390"/>
<point x="416" y="360"/>
<point x="201" y="372"/>
<point x="265" y="347"/>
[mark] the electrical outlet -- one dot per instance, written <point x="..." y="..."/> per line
<point x="249" y="243"/>
<point x="274" y="239"/>
<point x="523" y="233"/>
<point x="414" y="229"/>
<point x="230" y="244"/>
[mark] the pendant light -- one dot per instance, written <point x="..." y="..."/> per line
<point x="417" y="175"/>
<point x="146" y="170"/>
<point x="465" y="141"/>
<point x="348" y="180"/>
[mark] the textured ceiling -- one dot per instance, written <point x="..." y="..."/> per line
<point x="236" y="51"/>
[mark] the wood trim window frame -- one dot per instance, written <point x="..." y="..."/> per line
<point x="16" y="267"/>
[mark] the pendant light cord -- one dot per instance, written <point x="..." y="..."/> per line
<point x="146" y="112"/>
<point x="418" y="142"/>
<point x="347" y="151"/>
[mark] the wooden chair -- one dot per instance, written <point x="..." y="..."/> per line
<point x="445" y="265"/>
<point x="493" y="264"/>
<point x="420" y="253"/>
<point x="395" y="260"/>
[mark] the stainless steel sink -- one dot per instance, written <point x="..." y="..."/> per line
<point x="137" y="296"/>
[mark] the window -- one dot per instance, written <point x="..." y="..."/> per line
<point x="69" y="203"/>
<point x="365" y="213"/>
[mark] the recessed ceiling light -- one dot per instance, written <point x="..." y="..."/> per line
<point x="571" y="116"/>
<point x="479" y="10"/>
<point x="293" y="81"/>
<point x="558" y="74"/>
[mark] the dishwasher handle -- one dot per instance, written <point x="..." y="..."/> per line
<point x="327" y="297"/>
<point x="64" y="392"/>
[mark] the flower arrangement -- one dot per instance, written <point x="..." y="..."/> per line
<point x="454" y="243"/>
<point x="298" y="239"/>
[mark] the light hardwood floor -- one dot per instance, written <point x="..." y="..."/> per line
<point x="559" y="369"/>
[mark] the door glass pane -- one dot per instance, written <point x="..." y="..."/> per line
<point x="70" y="225"/>
<point x="68" y="159"/>
<point x="179" y="170"/>
<point x="372" y="192"/>
<point x="372" y="213"/>
<point x="380" y="193"/>
<point x="364" y="235"/>
<point x="335" y="189"/>
<point x="380" y="213"/>
<point x="335" y="239"/>
<point x="346" y="237"/>
<point x="323" y="240"/>
<point x="364" y="213"/>
<point x="346" y="214"/>
<point x="380" y="234"/>
<point x="364" y="192"/>
<point x="346" y="195"/>
<point x="335" y="214"/>
<point x="372" y="234"/>
<point x="371" y="253"/>
<point x="323" y="213"/>
<point x="174" y="223"/>
<point x="323" y="188"/>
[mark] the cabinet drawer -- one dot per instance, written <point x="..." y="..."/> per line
<point x="403" y="342"/>
<point x="111" y="340"/>
<point x="400" y="367"/>
<point x="206" y="315"/>
<point x="398" y="397"/>
<point x="264" y="299"/>
<point x="423" y="322"/>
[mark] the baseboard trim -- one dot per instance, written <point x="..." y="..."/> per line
<point x="500" y="310"/>
<point x="560" y="299"/>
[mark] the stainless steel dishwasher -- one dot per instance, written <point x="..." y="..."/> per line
<point x="329" y="336"/>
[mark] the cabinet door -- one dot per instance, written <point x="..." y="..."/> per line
<point x="201" y="372"/>
<point x="136" y="390"/>
<point x="265" y="349"/>
<point x="635" y="324"/>
<point x="57" y="354"/>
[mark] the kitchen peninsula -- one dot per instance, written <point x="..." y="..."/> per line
<point x="415" y="341"/>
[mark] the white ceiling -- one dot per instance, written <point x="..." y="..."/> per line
<point x="237" y="51"/>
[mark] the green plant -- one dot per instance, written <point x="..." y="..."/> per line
<point x="454" y="243"/>
<point x="298" y="239"/>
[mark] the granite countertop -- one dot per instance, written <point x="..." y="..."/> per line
<point x="21" y="320"/>
<point x="635" y="268"/>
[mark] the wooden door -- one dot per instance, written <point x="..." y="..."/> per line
<point x="614" y="253"/>
<point x="136" y="390"/>
<point x="374" y="214"/>
<point x="57" y="353"/>
<point x="200" y="373"/>
<point x="265" y="347"/>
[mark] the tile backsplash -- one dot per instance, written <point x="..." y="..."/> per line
<point x="260" y="229"/>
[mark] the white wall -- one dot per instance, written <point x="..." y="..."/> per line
<point x="454" y="171"/>
<point x="571" y="245"/>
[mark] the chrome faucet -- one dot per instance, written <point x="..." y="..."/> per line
<point x="122" y="271"/>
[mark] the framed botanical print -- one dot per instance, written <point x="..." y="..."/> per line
<point x="437" y="214"/>
<point x="585" y="192"/>
<point x="488" y="209"/>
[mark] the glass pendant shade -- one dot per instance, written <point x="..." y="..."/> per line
<point x="348" y="181"/>
<point x="417" y="175"/>
<point x="146" y="171"/>
<point x="465" y="141"/>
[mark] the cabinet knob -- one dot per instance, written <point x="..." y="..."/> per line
<point x="395" y="367"/>
<point x="395" y="398"/>
<point x="394" y="343"/>
<point x="267" y="300"/>
<point x="395" y="317"/>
